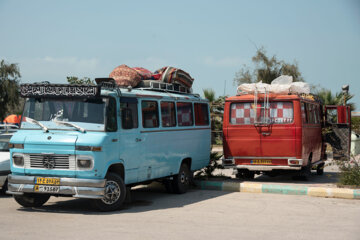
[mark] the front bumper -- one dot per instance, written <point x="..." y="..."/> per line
<point x="76" y="187"/>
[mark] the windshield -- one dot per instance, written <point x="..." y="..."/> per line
<point x="4" y="142"/>
<point x="87" y="114"/>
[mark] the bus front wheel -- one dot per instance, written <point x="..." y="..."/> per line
<point x="114" y="195"/>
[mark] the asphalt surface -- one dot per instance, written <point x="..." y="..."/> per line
<point x="198" y="214"/>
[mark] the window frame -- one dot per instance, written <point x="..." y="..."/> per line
<point x="174" y="111"/>
<point x="206" y="112"/>
<point x="157" y="113"/>
<point x="250" y="102"/>
<point x="129" y="100"/>
<point x="192" y="113"/>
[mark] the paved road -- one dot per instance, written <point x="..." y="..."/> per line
<point x="154" y="214"/>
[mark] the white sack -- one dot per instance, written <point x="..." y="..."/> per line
<point x="280" y="88"/>
<point x="281" y="85"/>
<point x="300" y="87"/>
<point x="250" y="87"/>
<point x="283" y="79"/>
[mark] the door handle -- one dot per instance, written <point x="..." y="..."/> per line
<point x="137" y="139"/>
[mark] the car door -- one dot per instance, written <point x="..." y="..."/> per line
<point x="129" y="147"/>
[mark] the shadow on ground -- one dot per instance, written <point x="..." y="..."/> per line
<point x="143" y="198"/>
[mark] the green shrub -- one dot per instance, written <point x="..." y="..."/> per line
<point x="214" y="164"/>
<point x="349" y="173"/>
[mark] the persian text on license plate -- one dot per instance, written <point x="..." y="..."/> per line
<point x="261" y="161"/>
<point x="46" y="188"/>
<point x="47" y="181"/>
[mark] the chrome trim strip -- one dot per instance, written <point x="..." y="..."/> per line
<point x="266" y="168"/>
<point x="263" y="157"/>
<point x="174" y="130"/>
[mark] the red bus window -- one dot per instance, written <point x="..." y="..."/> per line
<point x="184" y="114"/>
<point x="168" y="117"/>
<point x="244" y="113"/>
<point x="281" y="112"/>
<point x="201" y="114"/>
<point x="303" y="113"/>
<point x="150" y="116"/>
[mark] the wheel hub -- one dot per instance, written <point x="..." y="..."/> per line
<point x="112" y="192"/>
<point x="183" y="178"/>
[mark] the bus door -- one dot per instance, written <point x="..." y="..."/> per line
<point x="338" y="130"/>
<point x="251" y="134"/>
<point x="129" y="138"/>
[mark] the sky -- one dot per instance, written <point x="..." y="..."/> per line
<point x="212" y="40"/>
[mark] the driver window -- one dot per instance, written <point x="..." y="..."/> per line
<point x="129" y="115"/>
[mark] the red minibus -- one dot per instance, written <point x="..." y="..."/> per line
<point x="273" y="134"/>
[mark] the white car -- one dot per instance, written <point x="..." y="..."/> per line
<point x="4" y="160"/>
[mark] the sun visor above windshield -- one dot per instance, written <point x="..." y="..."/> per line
<point x="59" y="90"/>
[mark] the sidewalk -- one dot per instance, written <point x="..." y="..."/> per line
<point x="317" y="186"/>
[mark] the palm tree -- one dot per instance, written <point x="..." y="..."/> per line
<point x="328" y="98"/>
<point x="9" y="87"/>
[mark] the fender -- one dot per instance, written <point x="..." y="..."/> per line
<point x="109" y="163"/>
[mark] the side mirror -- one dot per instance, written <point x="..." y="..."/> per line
<point x="126" y="118"/>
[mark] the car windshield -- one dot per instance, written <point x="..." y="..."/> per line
<point x="45" y="113"/>
<point x="4" y="142"/>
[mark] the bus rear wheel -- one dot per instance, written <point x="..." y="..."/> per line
<point x="181" y="182"/>
<point x="114" y="195"/>
<point x="320" y="169"/>
<point x="29" y="200"/>
<point x="245" y="174"/>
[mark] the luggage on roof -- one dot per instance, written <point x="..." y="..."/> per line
<point x="139" y="77"/>
<point x="281" y="85"/>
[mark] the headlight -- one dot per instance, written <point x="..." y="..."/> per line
<point x="18" y="159"/>
<point x="88" y="148"/>
<point x="84" y="162"/>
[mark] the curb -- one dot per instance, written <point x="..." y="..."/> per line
<point x="278" y="189"/>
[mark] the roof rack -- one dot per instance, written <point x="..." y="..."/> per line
<point x="153" y="85"/>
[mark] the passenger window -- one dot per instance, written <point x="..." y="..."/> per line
<point x="111" y="119"/>
<point x="129" y="114"/>
<point x="309" y="114"/>
<point x="303" y="113"/>
<point x="184" y="114"/>
<point x="168" y="117"/>
<point x="317" y="117"/>
<point x="150" y="115"/>
<point x="201" y="114"/>
<point x="332" y="116"/>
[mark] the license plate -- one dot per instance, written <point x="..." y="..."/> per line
<point x="47" y="189"/>
<point x="261" y="161"/>
<point x="47" y="181"/>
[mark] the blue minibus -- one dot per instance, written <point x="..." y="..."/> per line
<point x="97" y="141"/>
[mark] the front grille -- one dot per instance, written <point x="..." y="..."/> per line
<point x="59" y="161"/>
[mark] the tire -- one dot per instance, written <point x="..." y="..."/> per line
<point x="115" y="194"/>
<point x="29" y="200"/>
<point x="181" y="182"/>
<point x="320" y="169"/>
<point x="305" y="172"/>
<point x="245" y="174"/>
<point x="249" y="175"/>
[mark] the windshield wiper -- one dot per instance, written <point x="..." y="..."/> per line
<point x="33" y="121"/>
<point x="70" y="125"/>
